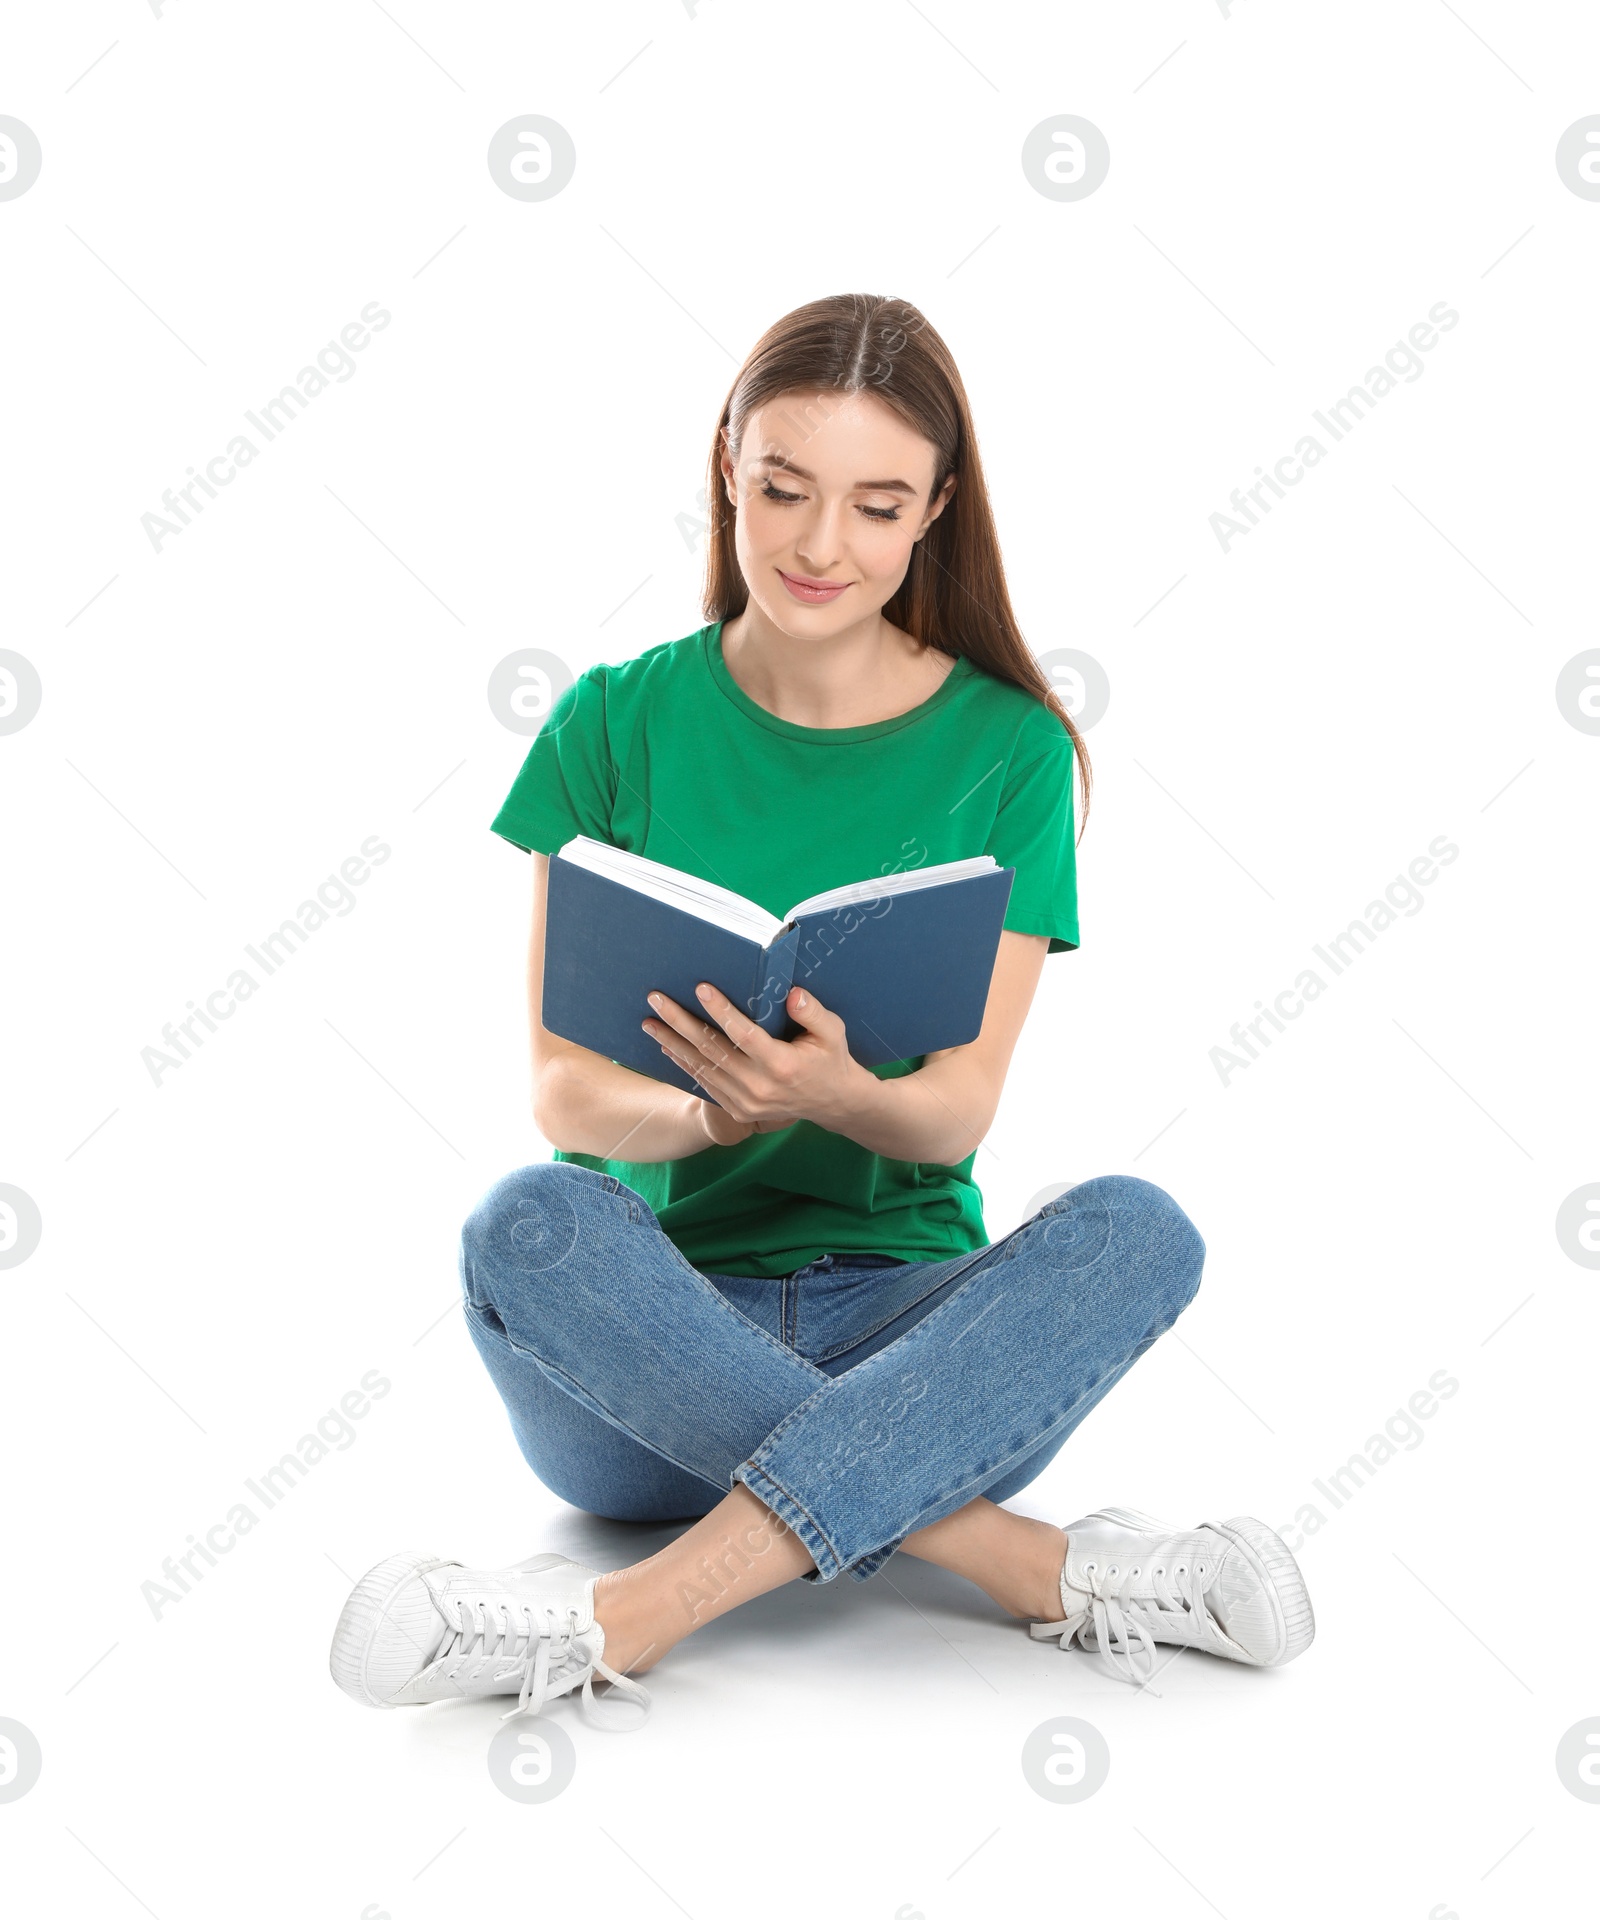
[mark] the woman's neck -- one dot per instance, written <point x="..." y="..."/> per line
<point x="867" y="672"/>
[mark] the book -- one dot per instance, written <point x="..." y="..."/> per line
<point x="905" y="960"/>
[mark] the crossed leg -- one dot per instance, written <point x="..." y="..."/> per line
<point x="636" y="1389"/>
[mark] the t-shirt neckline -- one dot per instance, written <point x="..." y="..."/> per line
<point x="711" y="653"/>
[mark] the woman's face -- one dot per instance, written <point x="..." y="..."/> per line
<point x="828" y="488"/>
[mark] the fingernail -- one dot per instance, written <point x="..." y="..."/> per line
<point x="654" y="999"/>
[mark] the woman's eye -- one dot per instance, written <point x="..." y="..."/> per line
<point x="771" y="492"/>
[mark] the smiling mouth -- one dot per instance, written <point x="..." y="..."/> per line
<point x="815" y="591"/>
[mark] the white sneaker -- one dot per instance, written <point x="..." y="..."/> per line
<point x="420" y="1628"/>
<point x="1226" y="1587"/>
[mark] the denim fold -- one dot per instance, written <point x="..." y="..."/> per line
<point x="860" y="1399"/>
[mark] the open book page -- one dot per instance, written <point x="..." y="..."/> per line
<point x="860" y="891"/>
<point x="719" y="905"/>
<point x="732" y="911"/>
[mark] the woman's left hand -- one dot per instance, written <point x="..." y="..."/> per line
<point x="768" y="1083"/>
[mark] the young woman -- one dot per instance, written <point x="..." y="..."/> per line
<point x="774" y="1312"/>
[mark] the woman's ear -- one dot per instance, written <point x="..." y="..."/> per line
<point x="726" y="464"/>
<point x="941" y="501"/>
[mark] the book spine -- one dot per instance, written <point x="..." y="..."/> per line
<point x="767" y="1003"/>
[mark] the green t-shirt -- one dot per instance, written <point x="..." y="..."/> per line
<point x="667" y="756"/>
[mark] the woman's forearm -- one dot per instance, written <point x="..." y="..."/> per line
<point x="582" y="1104"/>
<point x="938" y="1114"/>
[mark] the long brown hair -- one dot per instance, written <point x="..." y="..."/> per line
<point x="954" y="594"/>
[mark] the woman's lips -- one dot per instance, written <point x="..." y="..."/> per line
<point x="814" y="593"/>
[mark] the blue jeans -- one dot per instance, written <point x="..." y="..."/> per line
<point x="860" y="1398"/>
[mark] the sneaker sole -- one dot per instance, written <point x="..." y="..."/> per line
<point x="364" y="1612"/>
<point x="1280" y="1569"/>
<point x="1274" y="1563"/>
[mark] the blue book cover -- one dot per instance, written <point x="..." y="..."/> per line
<point x="907" y="971"/>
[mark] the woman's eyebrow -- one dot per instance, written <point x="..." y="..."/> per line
<point x="862" y="486"/>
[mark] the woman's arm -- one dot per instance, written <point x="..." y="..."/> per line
<point x="939" y="1113"/>
<point x="584" y="1103"/>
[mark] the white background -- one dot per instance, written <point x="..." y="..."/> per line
<point x="223" y="722"/>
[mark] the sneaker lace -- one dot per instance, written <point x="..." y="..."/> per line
<point x="1121" y="1629"/>
<point x="536" y="1642"/>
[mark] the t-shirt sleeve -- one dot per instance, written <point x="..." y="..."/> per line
<point x="568" y="781"/>
<point x="1033" y="832"/>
